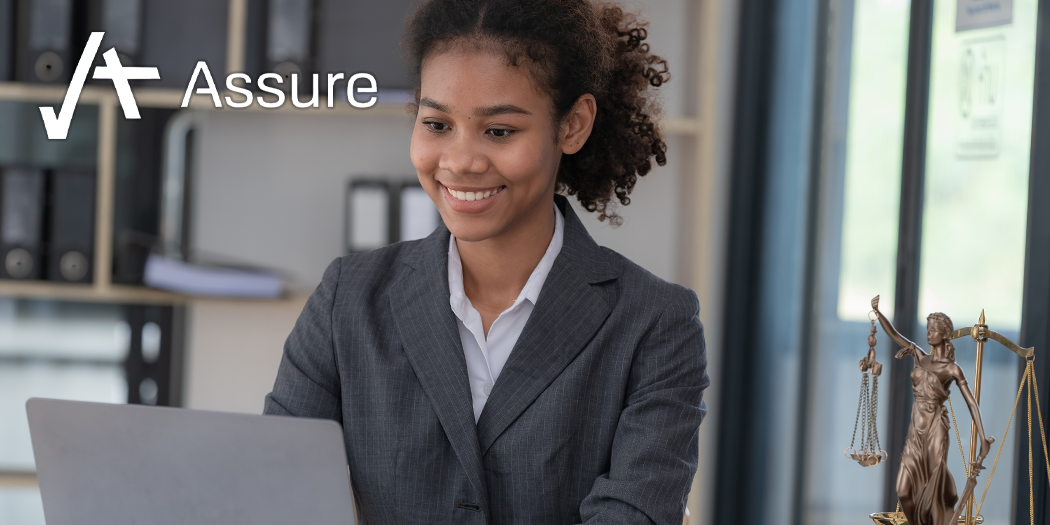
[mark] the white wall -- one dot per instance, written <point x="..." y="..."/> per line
<point x="234" y="350"/>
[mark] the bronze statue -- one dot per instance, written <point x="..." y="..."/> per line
<point x="924" y="485"/>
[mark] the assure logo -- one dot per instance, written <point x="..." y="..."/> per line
<point x="57" y="126"/>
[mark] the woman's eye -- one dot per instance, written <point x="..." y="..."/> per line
<point x="499" y="132"/>
<point x="435" y="126"/>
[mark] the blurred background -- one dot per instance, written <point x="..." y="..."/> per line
<point x="821" y="152"/>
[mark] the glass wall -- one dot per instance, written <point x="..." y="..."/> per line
<point x="856" y="248"/>
<point x="975" y="215"/>
<point x="974" y="226"/>
<point x="799" y="291"/>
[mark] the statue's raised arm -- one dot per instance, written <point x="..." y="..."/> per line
<point x="907" y="347"/>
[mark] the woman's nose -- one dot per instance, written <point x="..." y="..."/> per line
<point x="462" y="156"/>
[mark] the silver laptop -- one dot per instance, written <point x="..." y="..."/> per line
<point x="101" y="464"/>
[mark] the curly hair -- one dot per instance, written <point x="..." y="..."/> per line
<point x="572" y="47"/>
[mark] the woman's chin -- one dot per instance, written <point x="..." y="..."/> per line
<point x="471" y="229"/>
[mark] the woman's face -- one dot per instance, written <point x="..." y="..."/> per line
<point x="483" y="143"/>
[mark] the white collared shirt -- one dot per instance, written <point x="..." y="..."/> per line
<point x="486" y="356"/>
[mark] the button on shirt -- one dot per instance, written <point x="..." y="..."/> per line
<point x="486" y="356"/>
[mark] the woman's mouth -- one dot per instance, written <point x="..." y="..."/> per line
<point x="472" y="200"/>
<point x="470" y="196"/>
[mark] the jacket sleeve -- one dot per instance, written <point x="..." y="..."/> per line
<point x="655" y="449"/>
<point x="307" y="382"/>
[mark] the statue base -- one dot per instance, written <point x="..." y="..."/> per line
<point x="897" y="518"/>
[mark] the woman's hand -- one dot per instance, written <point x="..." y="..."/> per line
<point x="875" y="303"/>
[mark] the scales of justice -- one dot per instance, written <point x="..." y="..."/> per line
<point x="926" y="491"/>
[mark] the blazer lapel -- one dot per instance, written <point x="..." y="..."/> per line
<point x="431" y="340"/>
<point x="568" y="313"/>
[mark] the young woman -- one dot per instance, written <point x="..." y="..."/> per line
<point x="507" y="369"/>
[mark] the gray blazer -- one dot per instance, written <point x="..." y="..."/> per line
<point x="594" y="417"/>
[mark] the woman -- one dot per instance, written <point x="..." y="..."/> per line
<point x="507" y="369"/>
<point x="924" y="485"/>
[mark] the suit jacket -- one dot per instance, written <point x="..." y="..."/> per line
<point x="593" y="419"/>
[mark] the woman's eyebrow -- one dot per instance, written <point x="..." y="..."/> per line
<point x="431" y="103"/>
<point x="501" y="109"/>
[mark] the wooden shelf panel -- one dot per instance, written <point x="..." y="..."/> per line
<point x="88" y="293"/>
<point x="18" y="478"/>
<point x="680" y="126"/>
<point x="120" y="293"/>
<point x="172" y="98"/>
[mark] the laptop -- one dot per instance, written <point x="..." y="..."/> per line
<point x="103" y="464"/>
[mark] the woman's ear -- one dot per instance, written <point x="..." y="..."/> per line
<point x="578" y="124"/>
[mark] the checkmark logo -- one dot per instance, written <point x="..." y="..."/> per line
<point x="57" y="126"/>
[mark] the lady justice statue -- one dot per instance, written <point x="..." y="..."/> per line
<point x="925" y="487"/>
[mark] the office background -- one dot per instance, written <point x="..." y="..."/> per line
<point x="818" y="156"/>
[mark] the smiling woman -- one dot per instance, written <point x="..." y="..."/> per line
<point x="507" y="369"/>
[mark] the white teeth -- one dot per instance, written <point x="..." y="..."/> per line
<point x="472" y="195"/>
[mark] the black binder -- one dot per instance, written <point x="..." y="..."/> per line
<point x="288" y="44"/>
<point x="71" y="226"/>
<point x="42" y="49"/>
<point x="177" y="34"/>
<point x="355" y="37"/>
<point x="120" y="20"/>
<point x="21" y="223"/>
<point x="7" y="40"/>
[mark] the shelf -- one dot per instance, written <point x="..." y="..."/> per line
<point x="18" y="478"/>
<point x="114" y="293"/>
<point x="120" y="293"/>
<point x="172" y="98"/>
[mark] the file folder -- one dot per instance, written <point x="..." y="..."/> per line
<point x="175" y="35"/>
<point x="368" y="216"/>
<point x="355" y="37"/>
<point x="42" y="50"/>
<point x="288" y="42"/>
<point x="71" y="226"/>
<point x="417" y="213"/>
<point x="21" y="223"/>
<point x="121" y="22"/>
<point x="7" y="40"/>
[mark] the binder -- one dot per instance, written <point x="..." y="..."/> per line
<point x="369" y="216"/>
<point x="175" y="35"/>
<point x="21" y="223"/>
<point x="131" y="250"/>
<point x="71" y="226"/>
<point x="120" y="20"/>
<point x="288" y="42"/>
<point x="42" y="49"/>
<point x="7" y="40"/>
<point x="418" y="217"/>
<point x="355" y="37"/>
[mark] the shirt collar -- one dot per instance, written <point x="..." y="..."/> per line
<point x="457" y="296"/>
